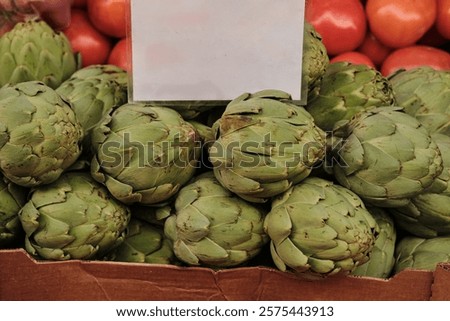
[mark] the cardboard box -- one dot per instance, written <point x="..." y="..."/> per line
<point x="441" y="283"/>
<point x="23" y="278"/>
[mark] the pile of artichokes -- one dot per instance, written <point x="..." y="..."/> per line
<point x="355" y="181"/>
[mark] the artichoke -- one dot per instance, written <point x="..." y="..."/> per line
<point x="315" y="59"/>
<point x="39" y="134"/>
<point x="420" y="253"/>
<point x="318" y="228"/>
<point x="428" y="214"/>
<point x="144" y="243"/>
<point x="345" y="90"/>
<point x="32" y="50"/>
<point x="154" y="215"/>
<point x="144" y="154"/>
<point x="385" y="156"/>
<point x="93" y="91"/>
<point x="73" y="218"/>
<point x="192" y="109"/>
<point x="264" y="145"/>
<point x="425" y="94"/>
<point x="12" y="198"/>
<point x="203" y="235"/>
<point x="382" y="258"/>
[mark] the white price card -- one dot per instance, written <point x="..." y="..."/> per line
<point x="190" y="50"/>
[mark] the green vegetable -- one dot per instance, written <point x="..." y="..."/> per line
<point x="144" y="154"/>
<point x="428" y="214"/>
<point x="12" y="198"/>
<point x="385" y="156"/>
<point x="40" y="136"/>
<point x="265" y="144"/>
<point x="213" y="227"/>
<point x="93" y="92"/>
<point x="424" y="92"/>
<point x="345" y="90"/>
<point x="144" y="243"/>
<point x="315" y="59"/>
<point x="421" y="254"/>
<point x="73" y="218"/>
<point x="318" y="228"/>
<point x="382" y="258"/>
<point x="32" y="50"/>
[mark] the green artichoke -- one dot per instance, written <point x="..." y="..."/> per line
<point x="213" y="227"/>
<point x="154" y="215"/>
<point x="425" y="94"/>
<point x="382" y="258"/>
<point x="32" y="50"/>
<point x="385" y="156"/>
<point x="144" y="154"/>
<point x="315" y="59"/>
<point x="421" y="254"/>
<point x="318" y="228"/>
<point x="93" y="91"/>
<point x="428" y="214"/>
<point x="12" y="198"/>
<point x="73" y="218"/>
<point x="264" y="145"/>
<point x="345" y="90"/>
<point x="40" y="136"/>
<point x="144" y="243"/>
<point x="192" y="109"/>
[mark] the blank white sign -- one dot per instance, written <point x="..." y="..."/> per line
<point x="215" y="49"/>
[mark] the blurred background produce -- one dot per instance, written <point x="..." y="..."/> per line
<point x="356" y="181"/>
<point x="387" y="34"/>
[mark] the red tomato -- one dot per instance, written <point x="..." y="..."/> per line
<point x="110" y="16"/>
<point x="354" y="57"/>
<point x="374" y="49"/>
<point x="415" y="56"/>
<point x="443" y="18"/>
<point x="120" y="56"/>
<point x="341" y="23"/>
<point x="85" y="39"/>
<point x="400" y="23"/>
<point x="79" y="3"/>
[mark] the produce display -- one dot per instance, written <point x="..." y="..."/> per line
<point x="355" y="181"/>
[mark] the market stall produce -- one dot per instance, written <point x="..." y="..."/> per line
<point x="352" y="181"/>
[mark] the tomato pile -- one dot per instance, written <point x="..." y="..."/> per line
<point x="385" y="34"/>
<point x="98" y="30"/>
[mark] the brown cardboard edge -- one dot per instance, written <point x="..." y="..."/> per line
<point x="24" y="278"/>
<point x="440" y="289"/>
